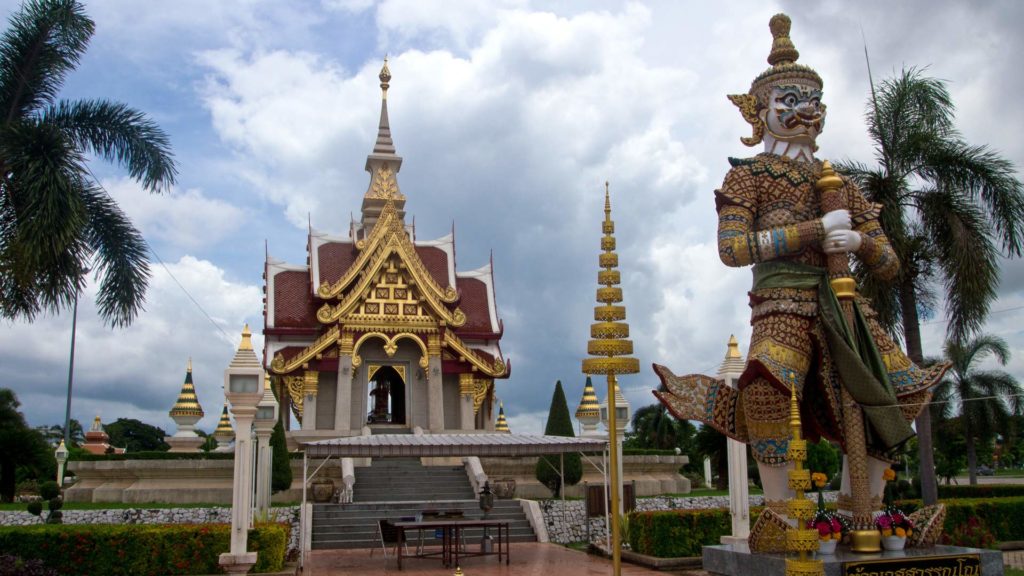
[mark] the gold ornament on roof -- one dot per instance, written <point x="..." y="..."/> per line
<point x="502" y="424"/>
<point x="385" y="78"/>
<point x="589" y="406"/>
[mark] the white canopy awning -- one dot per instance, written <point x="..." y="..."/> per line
<point x="426" y="445"/>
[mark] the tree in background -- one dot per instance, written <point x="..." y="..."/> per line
<point x="823" y="457"/>
<point x="985" y="400"/>
<point x="136" y="436"/>
<point x="559" y="424"/>
<point x="948" y="208"/>
<point x="24" y="454"/>
<point x="654" y="427"/>
<point x="711" y="444"/>
<point x="57" y="221"/>
<point x="281" y="467"/>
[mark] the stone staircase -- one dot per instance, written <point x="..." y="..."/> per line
<point x="397" y="488"/>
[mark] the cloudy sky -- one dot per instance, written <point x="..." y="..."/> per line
<point x="510" y="116"/>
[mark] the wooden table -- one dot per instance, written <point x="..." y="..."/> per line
<point x="452" y="536"/>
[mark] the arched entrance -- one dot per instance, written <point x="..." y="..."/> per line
<point x="386" y="396"/>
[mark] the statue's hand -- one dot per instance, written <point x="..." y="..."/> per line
<point x="841" y="241"/>
<point x="836" y="220"/>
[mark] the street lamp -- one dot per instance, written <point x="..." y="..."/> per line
<point x="61" y="454"/>
<point x="243" y="390"/>
<point x="266" y="417"/>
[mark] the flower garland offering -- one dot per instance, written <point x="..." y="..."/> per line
<point x="828" y="525"/>
<point x="893" y="522"/>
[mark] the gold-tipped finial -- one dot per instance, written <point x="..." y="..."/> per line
<point x="246" y="343"/>
<point x="385" y="78"/>
<point x="783" y="51"/>
<point x="734" y="347"/>
<point x="189" y="367"/>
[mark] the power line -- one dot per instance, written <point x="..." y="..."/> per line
<point x="163" y="264"/>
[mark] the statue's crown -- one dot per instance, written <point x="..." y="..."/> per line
<point x="782" y="58"/>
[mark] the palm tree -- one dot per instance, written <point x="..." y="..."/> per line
<point x="654" y="427"/>
<point x="987" y="399"/>
<point x="949" y="208"/>
<point x="56" y="222"/>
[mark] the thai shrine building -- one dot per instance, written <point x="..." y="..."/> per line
<point x="378" y="328"/>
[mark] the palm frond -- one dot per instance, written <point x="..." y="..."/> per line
<point x="987" y="179"/>
<point x="118" y="133"/>
<point x="44" y="41"/>
<point x="120" y="259"/>
<point x="966" y="255"/>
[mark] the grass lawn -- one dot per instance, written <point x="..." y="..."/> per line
<point x="1010" y="473"/>
<point x="1012" y="572"/>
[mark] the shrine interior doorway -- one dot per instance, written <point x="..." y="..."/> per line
<point x="386" y="396"/>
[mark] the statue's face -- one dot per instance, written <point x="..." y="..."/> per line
<point x="794" y="113"/>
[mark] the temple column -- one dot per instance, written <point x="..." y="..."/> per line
<point x="435" y="385"/>
<point x="343" y="397"/>
<point x="488" y="407"/>
<point x="736" y="453"/>
<point x="310" y="381"/>
<point x="466" y="384"/>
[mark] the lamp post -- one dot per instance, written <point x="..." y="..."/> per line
<point x="61" y="454"/>
<point x="266" y="417"/>
<point x="486" y="503"/>
<point x="242" y="387"/>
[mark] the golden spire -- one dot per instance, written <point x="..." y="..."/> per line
<point x="385" y="79"/>
<point x="611" y="345"/>
<point x="734" y="347"/>
<point x="224" y="430"/>
<point x="502" y="424"/>
<point x="246" y="339"/>
<point x="800" y="539"/>
<point x="188" y="403"/>
<point x="609" y="335"/>
<point x="589" y="406"/>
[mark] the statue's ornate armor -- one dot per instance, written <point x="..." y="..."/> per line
<point x="768" y="211"/>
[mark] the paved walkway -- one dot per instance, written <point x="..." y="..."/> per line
<point x="528" y="559"/>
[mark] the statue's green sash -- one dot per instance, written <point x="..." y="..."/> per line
<point x="854" y="353"/>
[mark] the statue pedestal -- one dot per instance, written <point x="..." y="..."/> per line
<point x="737" y="560"/>
<point x="184" y="443"/>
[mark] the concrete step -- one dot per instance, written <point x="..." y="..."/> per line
<point x="471" y="543"/>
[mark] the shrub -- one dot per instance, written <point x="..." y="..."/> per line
<point x="14" y="566"/>
<point x="981" y="491"/>
<point x="115" y="550"/>
<point x="49" y="490"/>
<point x="973" y="534"/>
<point x="676" y="533"/>
<point x="281" y="470"/>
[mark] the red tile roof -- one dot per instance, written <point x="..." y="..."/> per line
<point x="474" y="305"/>
<point x="293" y="303"/>
<point x="436" y="261"/>
<point x="334" y="259"/>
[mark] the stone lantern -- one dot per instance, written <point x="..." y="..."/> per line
<point x="266" y="418"/>
<point x="243" y="385"/>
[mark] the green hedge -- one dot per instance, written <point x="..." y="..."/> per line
<point x="676" y="533"/>
<point x="156" y="455"/>
<point x="981" y="491"/>
<point x="138" y="549"/>
<point x="979" y="523"/>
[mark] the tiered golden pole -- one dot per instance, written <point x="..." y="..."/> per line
<point x="864" y="538"/>
<point x="611" y="346"/>
<point x="800" y="539"/>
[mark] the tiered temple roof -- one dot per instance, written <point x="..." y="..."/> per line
<point x="379" y="279"/>
<point x="187" y="404"/>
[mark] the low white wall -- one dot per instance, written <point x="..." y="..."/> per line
<point x="286" y="514"/>
<point x="565" y="521"/>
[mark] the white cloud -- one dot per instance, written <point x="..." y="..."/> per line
<point x="136" y="372"/>
<point x="187" y="220"/>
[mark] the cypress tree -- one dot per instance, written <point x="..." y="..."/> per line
<point x="281" y="469"/>
<point x="559" y="424"/>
